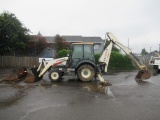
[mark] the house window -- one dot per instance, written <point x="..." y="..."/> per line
<point x="96" y="46"/>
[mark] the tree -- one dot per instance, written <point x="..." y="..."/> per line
<point x="36" y="45"/>
<point x="13" y="34"/>
<point x="60" y="43"/>
<point x="144" y="52"/>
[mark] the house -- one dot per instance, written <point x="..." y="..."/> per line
<point x="50" y="52"/>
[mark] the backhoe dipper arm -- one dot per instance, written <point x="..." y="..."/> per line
<point x="143" y="73"/>
<point x="137" y="62"/>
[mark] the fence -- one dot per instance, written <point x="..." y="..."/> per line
<point x="13" y="61"/>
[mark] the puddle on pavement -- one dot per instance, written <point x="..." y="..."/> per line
<point x="96" y="88"/>
<point x="93" y="87"/>
<point x="13" y="98"/>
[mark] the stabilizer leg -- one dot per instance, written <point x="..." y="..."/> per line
<point x="102" y="81"/>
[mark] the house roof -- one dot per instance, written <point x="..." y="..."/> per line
<point x="51" y="39"/>
<point x="93" y="39"/>
<point x="73" y="38"/>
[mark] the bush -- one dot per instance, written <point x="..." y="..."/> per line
<point x="117" y="61"/>
<point x="96" y="57"/>
<point x="63" y="53"/>
<point x="120" y="62"/>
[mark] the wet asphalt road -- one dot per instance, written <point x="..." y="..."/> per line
<point x="72" y="100"/>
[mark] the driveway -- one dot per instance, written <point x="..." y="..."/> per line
<point x="72" y="100"/>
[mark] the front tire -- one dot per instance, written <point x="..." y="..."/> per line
<point x="54" y="76"/>
<point x="86" y="73"/>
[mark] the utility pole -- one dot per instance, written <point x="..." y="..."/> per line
<point x="128" y="43"/>
<point x="159" y="49"/>
<point x="150" y="49"/>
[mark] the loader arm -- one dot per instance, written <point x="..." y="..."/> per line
<point x="50" y="63"/>
<point x="143" y="73"/>
<point x="35" y="74"/>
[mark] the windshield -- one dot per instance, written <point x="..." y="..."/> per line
<point x="88" y="52"/>
<point x="82" y="52"/>
<point x="77" y="51"/>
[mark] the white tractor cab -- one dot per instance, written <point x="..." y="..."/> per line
<point x="155" y="62"/>
<point x="81" y="63"/>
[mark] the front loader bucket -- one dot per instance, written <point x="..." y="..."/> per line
<point x="32" y="76"/>
<point x="142" y="74"/>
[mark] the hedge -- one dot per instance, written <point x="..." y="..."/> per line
<point x="118" y="61"/>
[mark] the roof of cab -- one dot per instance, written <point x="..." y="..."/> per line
<point x="83" y="43"/>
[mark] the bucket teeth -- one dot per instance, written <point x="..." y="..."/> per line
<point x="142" y="74"/>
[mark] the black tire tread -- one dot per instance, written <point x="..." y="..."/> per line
<point x="81" y="77"/>
<point x="49" y="75"/>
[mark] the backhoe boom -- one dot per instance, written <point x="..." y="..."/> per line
<point x="143" y="73"/>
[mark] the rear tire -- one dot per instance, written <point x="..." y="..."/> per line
<point x="86" y="73"/>
<point x="54" y="76"/>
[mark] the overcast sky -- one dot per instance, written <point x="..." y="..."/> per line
<point x="136" y="20"/>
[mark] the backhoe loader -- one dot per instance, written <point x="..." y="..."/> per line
<point x="81" y="63"/>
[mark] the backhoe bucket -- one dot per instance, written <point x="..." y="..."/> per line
<point x="32" y="76"/>
<point x="142" y="74"/>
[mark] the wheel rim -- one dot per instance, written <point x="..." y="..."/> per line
<point x="55" y="75"/>
<point x="86" y="73"/>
